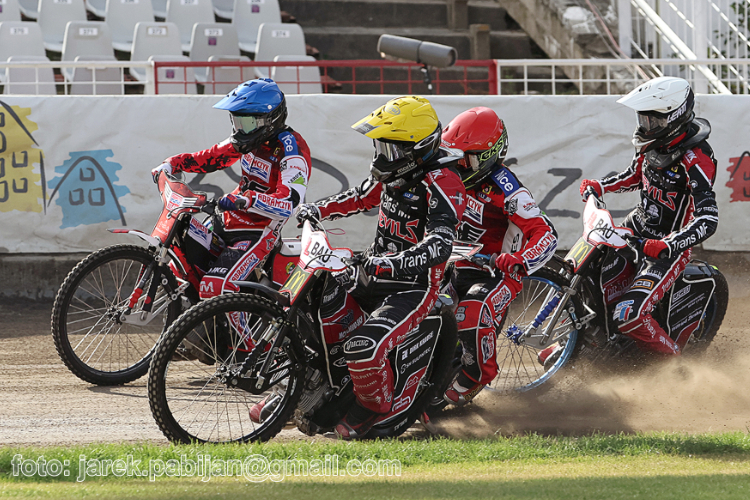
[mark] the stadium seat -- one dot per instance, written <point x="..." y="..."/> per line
<point x="160" y="8"/>
<point x="212" y="39"/>
<point x="161" y="39"/>
<point x="97" y="7"/>
<point x="9" y="10"/>
<point x="287" y="76"/>
<point x="222" y="80"/>
<point x="122" y="16"/>
<point x="33" y="81"/>
<point x="185" y="13"/>
<point x="224" y="8"/>
<point x="86" y="38"/>
<point x="54" y="15"/>
<point x="172" y="80"/>
<point x="108" y="80"/>
<point x="29" y="8"/>
<point x="277" y="39"/>
<point x="19" y="38"/>
<point x="249" y="15"/>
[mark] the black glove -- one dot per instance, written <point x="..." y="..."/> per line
<point x="306" y="211"/>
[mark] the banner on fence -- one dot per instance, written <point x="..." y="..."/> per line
<point x="70" y="167"/>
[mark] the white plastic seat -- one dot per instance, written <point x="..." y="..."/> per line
<point x="86" y="38"/>
<point x="212" y="39"/>
<point x="185" y="13"/>
<point x="29" y="8"/>
<point x="172" y="80"/>
<point x="288" y="78"/>
<point x="224" y="8"/>
<point x="33" y="81"/>
<point x="122" y="16"/>
<point x="9" y="11"/>
<point x="104" y="81"/>
<point x="97" y="7"/>
<point x="221" y="80"/>
<point x="18" y="38"/>
<point x="149" y="39"/>
<point x="54" y="15"/>
<point x="160" y="8"/>
<point x="249" y="15"/>
<point x="277" y="39"/>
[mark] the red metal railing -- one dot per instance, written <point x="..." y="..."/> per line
<point x="343" y="76"/>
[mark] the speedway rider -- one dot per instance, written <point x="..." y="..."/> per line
<point x="501" y="215"/>
<point x="421" y="199"/>
<point x="674" y="168"/>
<point x="275" y="162"/>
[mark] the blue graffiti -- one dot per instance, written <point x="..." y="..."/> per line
<point x="87" y="190"/>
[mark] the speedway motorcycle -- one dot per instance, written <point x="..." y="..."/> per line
<point x="578" y="317"/>
<point x="269" y="346"/>
<point x="112" y="308"/>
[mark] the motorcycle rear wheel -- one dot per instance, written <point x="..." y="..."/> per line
<point x="712" y="319"/>
<point x="88" y="336"/>
<point x="187" y="398"/>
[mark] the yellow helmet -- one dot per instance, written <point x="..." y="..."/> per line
<point x="406" y="133"/>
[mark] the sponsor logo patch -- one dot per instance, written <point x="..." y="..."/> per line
<point x="623" y="310"/>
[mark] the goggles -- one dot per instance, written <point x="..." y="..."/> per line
<point x="475" y="159"/>
<point x="389" y="150"/>
<point x="247" y="124"/>
<point x="649" y="124"/>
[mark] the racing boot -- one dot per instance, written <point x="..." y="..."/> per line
<point x="549" y="355"/>
<point x="462" y="390"/>
<point x="356" y="423"/>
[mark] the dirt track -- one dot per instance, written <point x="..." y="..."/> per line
<point x="42" y="403"/>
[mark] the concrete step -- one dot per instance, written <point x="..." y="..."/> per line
<point x="390" y="13"/>
<point x="336" y="42"/>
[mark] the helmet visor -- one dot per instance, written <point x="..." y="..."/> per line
<point x="651" y="124"/>
<point x="247" y="124"/>
<point x="389" y="150"/>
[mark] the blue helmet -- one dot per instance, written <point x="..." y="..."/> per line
<point x="258" y="111"/>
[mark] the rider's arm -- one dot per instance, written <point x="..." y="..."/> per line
<point x="627" y="180"/>
<point x="215" y="158"/>
<point x="701" y="171"/>
<point x="538" y="232"/>
<point x="352" y="201"/>
<point x="446" y="201"/>
<point x="292" y="183"/>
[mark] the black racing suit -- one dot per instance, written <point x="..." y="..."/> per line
<point x="678" y="206"/>
<point x="416" y="227"/>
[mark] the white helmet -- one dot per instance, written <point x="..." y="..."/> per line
<point x="664" y="108"/>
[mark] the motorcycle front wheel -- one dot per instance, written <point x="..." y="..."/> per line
<point x="192" y="401"/>
<point x="90" y="339"/>
<point x="520" y="369"/>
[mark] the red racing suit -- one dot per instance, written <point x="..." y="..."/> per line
<point x="415" y="230"/>
<point x="502" y="215"/>
<point x="274" y="179"/>
<point x="678" y="206"/>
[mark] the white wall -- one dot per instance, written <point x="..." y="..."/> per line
<point x="556" y="141"/>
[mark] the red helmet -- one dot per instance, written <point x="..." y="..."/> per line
<point x="483" y="138"/>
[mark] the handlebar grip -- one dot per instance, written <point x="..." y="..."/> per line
<point x="663" y="254"/>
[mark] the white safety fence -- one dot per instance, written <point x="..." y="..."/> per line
<point x="692" y="29"/>
<point x="74" y="166"/>
<point x="610" y="76"/>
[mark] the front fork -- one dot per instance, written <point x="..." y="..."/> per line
<point x="154" y="272"/>
<point x="556" y="305"/>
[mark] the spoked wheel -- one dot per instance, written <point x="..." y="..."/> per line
<point x="711" y="320"/>
<point x="521" y="368"/>
<point x="194" y="401"/>
<point x="89" y="336"/>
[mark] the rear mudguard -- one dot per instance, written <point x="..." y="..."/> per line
<point x="266" y="291"/>
<point x="146" y="237"/>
